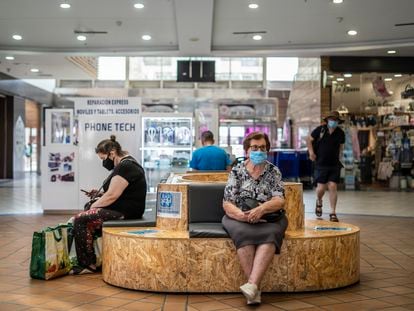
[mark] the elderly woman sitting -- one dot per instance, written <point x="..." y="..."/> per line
<point x="255" y="220"/>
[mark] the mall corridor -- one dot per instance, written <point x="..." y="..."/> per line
<point x="387" y="263"/>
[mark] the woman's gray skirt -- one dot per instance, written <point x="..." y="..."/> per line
<point x="243" y="233"/>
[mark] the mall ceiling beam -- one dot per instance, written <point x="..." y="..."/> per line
<point x="372" y="64"/>
<point x="194" y="20"/>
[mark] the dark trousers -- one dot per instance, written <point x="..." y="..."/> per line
<point x="85" y="225"/>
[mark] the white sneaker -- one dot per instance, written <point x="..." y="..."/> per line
<point x="257" y="299"/>
<point x="249" y="291"/>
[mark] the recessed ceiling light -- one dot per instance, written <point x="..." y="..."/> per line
<point x="347" y="75"/>
<point x="139" y="5"/>
<point x="391" y="92"/>
<point x="337" y="1"/>
<point x="65" y="5"/>
<point x="352" y="32"/>
<point x="331" y="76"/>
<point x="81" y="38"/>
<point x="391" y="52"/>
<point x="388" y="79"/>
<point x="34" y="70"/>
<point x="17" y="37"/>
<point x="398" y="75"/>
<point x="340" y="79"/>
<point x="253" y="6"/>
<point x="257" y="37"/>
<point x="9" y="57"/>
<point x="146" y="37"/>
<point x="334" y="82"/>
<point x="348" y="85"/>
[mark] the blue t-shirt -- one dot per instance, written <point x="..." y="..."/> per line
<point x="210" y="158"/>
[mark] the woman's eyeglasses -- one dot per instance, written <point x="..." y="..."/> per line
<point x="256" y="148"/>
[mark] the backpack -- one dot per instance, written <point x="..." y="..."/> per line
<point x="315" y="143"/>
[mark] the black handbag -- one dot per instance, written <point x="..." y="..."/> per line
<point x="249" y="203"/>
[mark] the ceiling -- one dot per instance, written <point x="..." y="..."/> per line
<point x="305" y="28"/>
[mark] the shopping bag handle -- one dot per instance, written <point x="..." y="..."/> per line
<point x="58" y="236"/>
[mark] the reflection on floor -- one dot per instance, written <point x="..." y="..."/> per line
<point x="387" y="262"/>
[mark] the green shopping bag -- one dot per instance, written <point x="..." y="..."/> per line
<point x="50" y="252"/>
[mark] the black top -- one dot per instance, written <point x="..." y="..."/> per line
<point x="131" y="202"/>
<point x="327" y="147"/>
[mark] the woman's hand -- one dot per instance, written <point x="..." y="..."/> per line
<point x="92" y="193"/>
<point x="254" y="215"/>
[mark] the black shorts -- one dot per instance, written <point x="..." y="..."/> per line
<point x="326" y="174"/>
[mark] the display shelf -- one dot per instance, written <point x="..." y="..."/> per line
<point x="167" y="142"/>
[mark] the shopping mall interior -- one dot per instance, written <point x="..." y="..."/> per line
<point x="157" y="74"/>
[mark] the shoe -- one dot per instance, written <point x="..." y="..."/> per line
<point x="249" y="291"/>
<point x="318" y="208"/>
<point x="333" y="218"/>
<point x="257" y="300"/>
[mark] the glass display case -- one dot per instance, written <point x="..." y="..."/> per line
<point x="167" y="141"/>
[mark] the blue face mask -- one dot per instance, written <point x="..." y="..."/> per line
<point x="258" y="157"/>
<point x="332" y="124"/>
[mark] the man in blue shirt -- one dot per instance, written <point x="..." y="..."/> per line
<point x="209" y="157"/>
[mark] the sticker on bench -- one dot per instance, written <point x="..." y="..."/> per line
<point x="142" y="232"/>
<point x="320" y="228"/>
<point x="169" y="204"/>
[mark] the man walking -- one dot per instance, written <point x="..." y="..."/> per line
<point x="325" y="145"/>
<point x="209" y="157"/>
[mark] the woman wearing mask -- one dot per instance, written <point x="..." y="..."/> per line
<point x="256" y="237"/>
<point x="124" y="193"/>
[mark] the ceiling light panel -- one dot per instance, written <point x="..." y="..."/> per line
<point x="257" y="37"/>
<point x="17" y="37"/>
<point x="139" y="6"/>
<point x="65" y="5"/>
<point x="146" y="37"/>
<point x="253" y="6"/>
<point x="352" y="32"/>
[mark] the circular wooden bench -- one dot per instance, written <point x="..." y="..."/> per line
<point x="166" y="259"/>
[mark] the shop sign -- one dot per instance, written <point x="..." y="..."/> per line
<point x="169" y="204"/>
<point x="345" y="89"/>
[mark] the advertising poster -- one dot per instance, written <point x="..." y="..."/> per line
<point x="61" y="166"/>
<point x="59" y="162"/>
<point x="169" y="204"/>
<point x="59" y="178"/>
<point x="59" y="126"/>
<point x="98" y="119"/>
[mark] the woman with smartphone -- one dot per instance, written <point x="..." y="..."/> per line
<point x="123" y="197"/>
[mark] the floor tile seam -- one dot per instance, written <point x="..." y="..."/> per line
<point x="101" y="298"/>
<point x="388" y="259"/>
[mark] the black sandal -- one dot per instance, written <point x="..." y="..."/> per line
<point x="333" y="218"/>
<point x="318" y="209"/>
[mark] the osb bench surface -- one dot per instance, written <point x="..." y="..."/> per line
<point x="308" y="232"/>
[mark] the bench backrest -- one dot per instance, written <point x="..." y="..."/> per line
<point x="205" y="202"/>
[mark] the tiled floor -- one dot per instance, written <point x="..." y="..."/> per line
<point x="387" y="264"/>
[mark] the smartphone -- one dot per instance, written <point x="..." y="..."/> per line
<point x="87" y="192"/>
